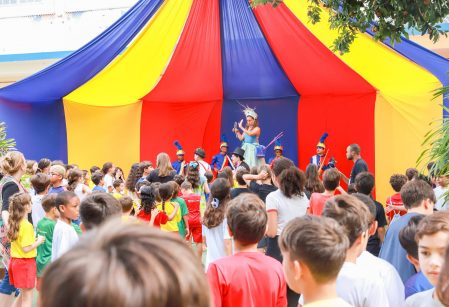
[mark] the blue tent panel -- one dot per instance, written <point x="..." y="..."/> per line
<point x="275" y="115"/>
<point x="39" y="130"/>
<point x="250" y="70"/>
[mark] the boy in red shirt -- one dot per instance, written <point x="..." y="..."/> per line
<point x="248" y="278"/>
<point x="194" y="216"/>
<point x="395" y="206"/>
<point x="331" y="182"/>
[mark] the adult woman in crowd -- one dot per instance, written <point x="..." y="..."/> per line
<point x="164" y="171"/>
<point x="283" y="205"/>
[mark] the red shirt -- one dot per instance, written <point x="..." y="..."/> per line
<point x="317" y="201"/>
<point x="161" y="218"/>
<point x="193" y="204"/>
<point x="396" y="200"/>
<point x="248" y="279"/>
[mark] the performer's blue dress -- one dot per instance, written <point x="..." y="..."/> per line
<point x="249" y="145"/>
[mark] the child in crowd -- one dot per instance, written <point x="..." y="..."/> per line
<point x="108" y="172"/>
<point x="262" y="182"/>
<point x="314" y="250"/>
<point x="442" y="289"/>
<point x="98" y="180"/>
<point x="331" y="182"/>
<point x="198" y="182"/>
<point x="418" y="282"/>
<point x="183" y="224"/>
<point x="119" y="188"/>
<point x="364" y="183"/>
<point x="440" y="190"/>
<point x="215" y="233"/>
<point x="395" y="206"/>
<point x="127" y="205"/>
<point x="43" y="166"/>
<point x="65" y="233"/>
<point x="411" y="174"/>
<point x="92" y="170"/>
<point x="96" y="208"/>
<point x="45" y="228"/>
<point x="354" y="284"/>
<point x="248" y="278"/>
<point x="418" y="198"/>
<point x="41" y="184"/>
<point x="144" y="170"/>
<point x="170" y="208"/>
<point x="129" y="265"/>
<point x="432" y="238"/>
<point x="87" y="179"/>
<point x="391" y="281"/>
<point x="148" y="211"/>
<point x="75" y="183"/>
<point x="57" y="173"/>
<point x="30" y="171"/>
<point x="242" y="186"/>
<point x="313" y="183"/>
<point x="22" y="265"/>
<point x="192" y="201"/>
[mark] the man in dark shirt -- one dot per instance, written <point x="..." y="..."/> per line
<point x="353" y="154"/>
<point x="364" y="184"/>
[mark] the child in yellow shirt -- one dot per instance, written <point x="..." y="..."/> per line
<point x="22" y="266"/>
<point x="169" y="207"/>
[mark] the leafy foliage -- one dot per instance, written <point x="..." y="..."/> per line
<point x="385" y="18"/>
<point x="5" y="144"/>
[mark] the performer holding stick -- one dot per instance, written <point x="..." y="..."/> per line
<point x="250" y="136"/>
<point x="322" y="158"/>
<point x="220" y="160"/>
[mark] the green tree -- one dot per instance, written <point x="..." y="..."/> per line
<point x="5" y="144"/>
<point x="386" y="18"/>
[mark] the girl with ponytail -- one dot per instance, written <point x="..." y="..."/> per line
<point x="22" y="265"/>
<point x="168" y="207"/>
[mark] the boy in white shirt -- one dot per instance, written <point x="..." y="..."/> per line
<point x="391" y="281"/>
<point x="314" y="250"/>
<point x="432" y="237"/>
<point x="40" y="183"/>
<point x="355" y="284"/>
<point x="65" y="234"/>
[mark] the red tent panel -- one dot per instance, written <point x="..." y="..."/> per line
<point x="194" y="73"/>
<point x="311" y="66"/>
<point x="194" y="124"/>
<point x="347" y="119"/>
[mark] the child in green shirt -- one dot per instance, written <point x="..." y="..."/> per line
<point x="45" y="228"/>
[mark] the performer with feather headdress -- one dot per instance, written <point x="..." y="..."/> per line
<point x="178" y="165"/>
<point x="249" y="135"/>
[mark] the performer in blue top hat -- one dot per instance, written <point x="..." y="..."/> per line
<point x="278" y="149"/>
<point x="178" y="165"/>
<point x="322" y="158"/>
<point x="220" y="160"/>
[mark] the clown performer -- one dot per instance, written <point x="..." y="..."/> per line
<point x="220" y="160"/>
<point x="250" y="136"/>
<point x="179" y="164"/>
<point x="322" y="159"/>
<point x="278" y="149"/>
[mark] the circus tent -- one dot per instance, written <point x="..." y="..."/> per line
<point x="181" y="70"/>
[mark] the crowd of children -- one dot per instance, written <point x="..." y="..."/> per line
<point x="272" y="236"/>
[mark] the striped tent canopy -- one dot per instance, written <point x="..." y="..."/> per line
<point x="171" y="69"/>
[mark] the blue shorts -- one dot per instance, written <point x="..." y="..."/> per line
<point x="6" y="287"/>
